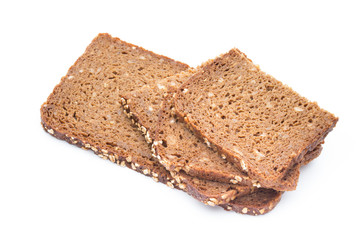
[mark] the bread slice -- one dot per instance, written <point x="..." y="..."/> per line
<point x="253" y="120"/>
<point x="84" y="110"/>
<point x="180" y="150"/>
<point x="187" y="153"/>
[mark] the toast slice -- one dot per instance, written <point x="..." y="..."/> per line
<point x="260" y="125"/>
<point x="84" y="110"/>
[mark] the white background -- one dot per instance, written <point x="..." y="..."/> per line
<point x="52" y="190"/>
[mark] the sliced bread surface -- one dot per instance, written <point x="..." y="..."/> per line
<point x="262" y="126"/>
<point x="184" y="151"/>
<point x="180" y="150"/>
<point x="84" y="109"/>
<point x="145" y="104"/>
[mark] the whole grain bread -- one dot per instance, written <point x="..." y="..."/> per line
<point x="84" y="110"/>
<point x="180" y="150"/>
<point x="184" y="151"/>
<point x="143" y="107"/>
<point x="262" y="126"/>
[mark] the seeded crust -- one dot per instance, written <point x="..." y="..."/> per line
<point x="256" y="203"/>
<point x="141" y="164"/>
<point x="85" y="110"/>
<point x="257" y="123"/>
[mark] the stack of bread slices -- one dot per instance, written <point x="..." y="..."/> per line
<point x="225" y="132"/>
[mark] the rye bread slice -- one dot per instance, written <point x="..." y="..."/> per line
<point x="84" y="110"/>
<point x="187" y="153"/>
<point x="262" y="126"/>
<point x="180" y="150"/>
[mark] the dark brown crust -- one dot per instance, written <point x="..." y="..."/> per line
<point x="267" y="200"/>
<point x="232" y="192"/>
<point x="312" y="155"/>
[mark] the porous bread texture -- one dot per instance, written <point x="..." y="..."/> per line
<point x="85" y="106"/>
<point x="262" y="126"/>
<point x="192" y="156"/>
<point x="143" y="104"/>
<point x="180" y="150"/>
<point x="84" y="109"/>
